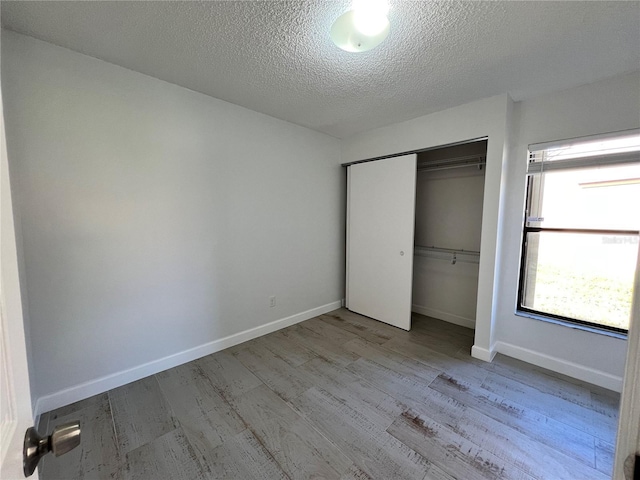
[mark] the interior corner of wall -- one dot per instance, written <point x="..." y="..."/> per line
<point x="36" y="407"/>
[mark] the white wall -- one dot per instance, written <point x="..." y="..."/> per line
<point x="606" y="106"/>
<point x="157" y="221"/>
<point x="484" y="118"/>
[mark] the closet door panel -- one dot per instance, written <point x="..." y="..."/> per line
<point x="380" y="223"/>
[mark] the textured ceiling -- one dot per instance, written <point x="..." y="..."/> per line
<point x="276" y="57"/>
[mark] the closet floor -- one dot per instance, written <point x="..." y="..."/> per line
<point x="344" y="396"/>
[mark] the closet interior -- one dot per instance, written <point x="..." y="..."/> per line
<point x="414" y="224"/>
<point x="448" y="223"/>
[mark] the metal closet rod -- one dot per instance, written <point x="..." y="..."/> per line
<point x="425" y="251"/>
<point x="448" y="250"/>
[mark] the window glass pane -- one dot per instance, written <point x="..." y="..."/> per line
<point x="593" y="198"/>
<point x="586" y="277"/>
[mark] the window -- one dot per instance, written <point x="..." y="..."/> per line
<point x="581" y="231"/>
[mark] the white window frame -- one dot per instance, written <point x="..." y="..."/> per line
<point x="537" y="166"/>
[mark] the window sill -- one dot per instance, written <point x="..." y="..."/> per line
<point x="563" y="323"/>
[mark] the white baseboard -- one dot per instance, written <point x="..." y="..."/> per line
<point x="108" y="382"/>
<point x="482" y="353"/>
<point x="586" y="374"/>
<point x="447" y="317"/>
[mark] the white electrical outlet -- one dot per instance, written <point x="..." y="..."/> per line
<point x="272" y="301"/>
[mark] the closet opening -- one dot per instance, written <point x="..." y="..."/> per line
<point x="414" y="222"/>
<point x="448" y="225"/>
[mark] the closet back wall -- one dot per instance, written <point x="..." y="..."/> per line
<point x="448" y="215"/>
<point x="450" y="208"/>
<point x="156" y="220"/>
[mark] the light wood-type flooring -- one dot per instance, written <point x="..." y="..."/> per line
<point x="343" y="396"/>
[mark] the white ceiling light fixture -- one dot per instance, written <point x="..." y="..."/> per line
<point x="363" y="27"/>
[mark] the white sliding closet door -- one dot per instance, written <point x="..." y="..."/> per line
<point x="381" y="199"/>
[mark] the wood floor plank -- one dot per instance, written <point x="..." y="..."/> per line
<point x="168" y="457"/>
<point x="541" y="380"/>
<point x="334" y="318"/>
<point x="409" y="389"/>
<point x="605" y="454"/>
<point x="140" y="414"/>
<point x="605" y="401"/>
<point x="97" y="456"/>
<point x="281" y="377"/>
<point x="423" y="322"/>
<point x="370" y="447"/>
<point x="522" y="451"/>
<point x="437" y="344"/>
<point x="330" y="332"/>
<point x="366" y="323"/>
<point x="319" y="345"/>
<point x="564" y="438"/>
<point x="436" y="473"/>
<point x="386" y="369"/>
<point x="577" y="416"/>
<point x="440" y="341"/>
<point x="391" y="359"/>
<point x="356" y="473"/>
<point x="227" y="374"/>
<point x="281" y="346"/>
<point x="298" y="448"/>
<point x="361" y="395"/>
<point x="206" y="418"/>
<point x="437" y="360"/>
<point x="241" y="346"/>
<point x="72" y="408"/>
<point x="291" y="352"/>
<point x="451" y="453"/>
<point x="243" y="457"/>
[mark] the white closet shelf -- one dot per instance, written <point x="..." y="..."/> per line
<point x="452" y="254"/>
<point x="479" y="160"/>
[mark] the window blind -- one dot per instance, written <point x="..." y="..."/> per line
<point x="603" y="150"/>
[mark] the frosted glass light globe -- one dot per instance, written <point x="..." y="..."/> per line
<point x="369" y="23"/>
<point x="351" y="37"/>
<point x="371" y="16"/>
